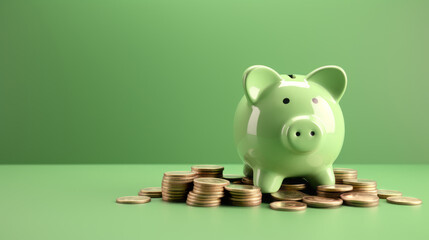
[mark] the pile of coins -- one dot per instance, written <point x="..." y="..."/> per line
<point x="293" y="184"/>
<point x="362" y="185"/>
<point x="358" y="199"/>
<point x="207" y="192"/>
<point x="205" y="186"/>
<point x="342" y="174"/>
<point x="176" y="185"/>
<point x="333" y="191"/>
<point x="153" y="192"/>
<point x="233" y="178"/>
<point x="243" y="195"/>
<point x="211" y="171"/>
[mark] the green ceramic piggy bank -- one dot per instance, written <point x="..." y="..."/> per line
<point x="290" y="125"/>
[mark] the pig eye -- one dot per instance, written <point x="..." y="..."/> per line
<point x="315" y="100"/>
<point x="286" y="100"/>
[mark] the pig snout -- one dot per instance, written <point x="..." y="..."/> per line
<point x="302" y="134"/>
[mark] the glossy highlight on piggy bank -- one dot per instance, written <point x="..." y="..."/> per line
<point x="290" y="125"/>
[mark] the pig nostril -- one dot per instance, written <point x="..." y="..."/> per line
<point x="297" y="134"/>
<point x="312" y="133"/>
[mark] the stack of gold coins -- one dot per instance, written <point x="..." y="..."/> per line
<point x="363" y="185"/>
<point x="176" y="185"/>
<point x="358" y="199"/>
<point x="153" y="192"/>
<point x="247" y="180"/>
<point x="207" y="192"/>
<point x="233" y="178"/>
<point x="343" y="174"/>
<point x="287" y="195"/>
<point x="244" y="195"/>
<point x="294" y="184"/>
<point x="333" y="191"/>
<point x="211" y="171"/>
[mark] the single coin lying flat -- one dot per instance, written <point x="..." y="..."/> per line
<point x="133" y="199"/>
<point x="404" y="200"/>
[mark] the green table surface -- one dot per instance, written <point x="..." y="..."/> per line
<point x="78" y="202"/>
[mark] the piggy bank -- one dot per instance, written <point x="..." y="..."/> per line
<point x="290" y="125"/>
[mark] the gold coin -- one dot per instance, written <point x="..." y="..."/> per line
<point x="211" y="181"/>
<point x="209" y="187"/>
<point x="404" y="200"/>
<point x="360" y="182"/>
<point x="204" y="196"/>
<point x="199" y="200"/>
<point x="207" y="168"/>
<point x="152" y="195"/>
<point x="356" y="197"/>
<point x="383" y="193"/>
<point x="362" y="204"/>
<point x="322" y="202"/>
<point x="245" y="196"/>
<point x="179" y="174"/>
<point x="178" y="181"/>
<point x="202" y="192"/>
<point x="151" y="190"/>
<point x="345" y="170"/>
<point x="335" y="188"/>
<point x="291" y="195"/>
<point x="288" y="206"/>
<point x="133" y="199"/>
<point x="232" y="177"/>
<point x="237" y="188"/>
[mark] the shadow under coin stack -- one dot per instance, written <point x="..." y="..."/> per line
<point x="244" y="195"/>
<point x="207" y="192"/>
<point x="363" y="185"/>
<point x="333" y="191"/>
<point x="342" y="174"/>
<point x="210" y="171"/>
<point x="176" y="185"/>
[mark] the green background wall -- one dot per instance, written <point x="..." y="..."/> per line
<point x="158" y="81"/>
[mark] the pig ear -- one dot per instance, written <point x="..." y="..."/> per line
<point x="258" y="78"/>
<point x="332" y="78"/>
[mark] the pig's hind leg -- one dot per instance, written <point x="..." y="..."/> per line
<point x="324" y="177"/>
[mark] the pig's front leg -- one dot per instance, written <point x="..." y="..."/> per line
<point x="269" y="182"/>
<point x="323" y="177"/>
